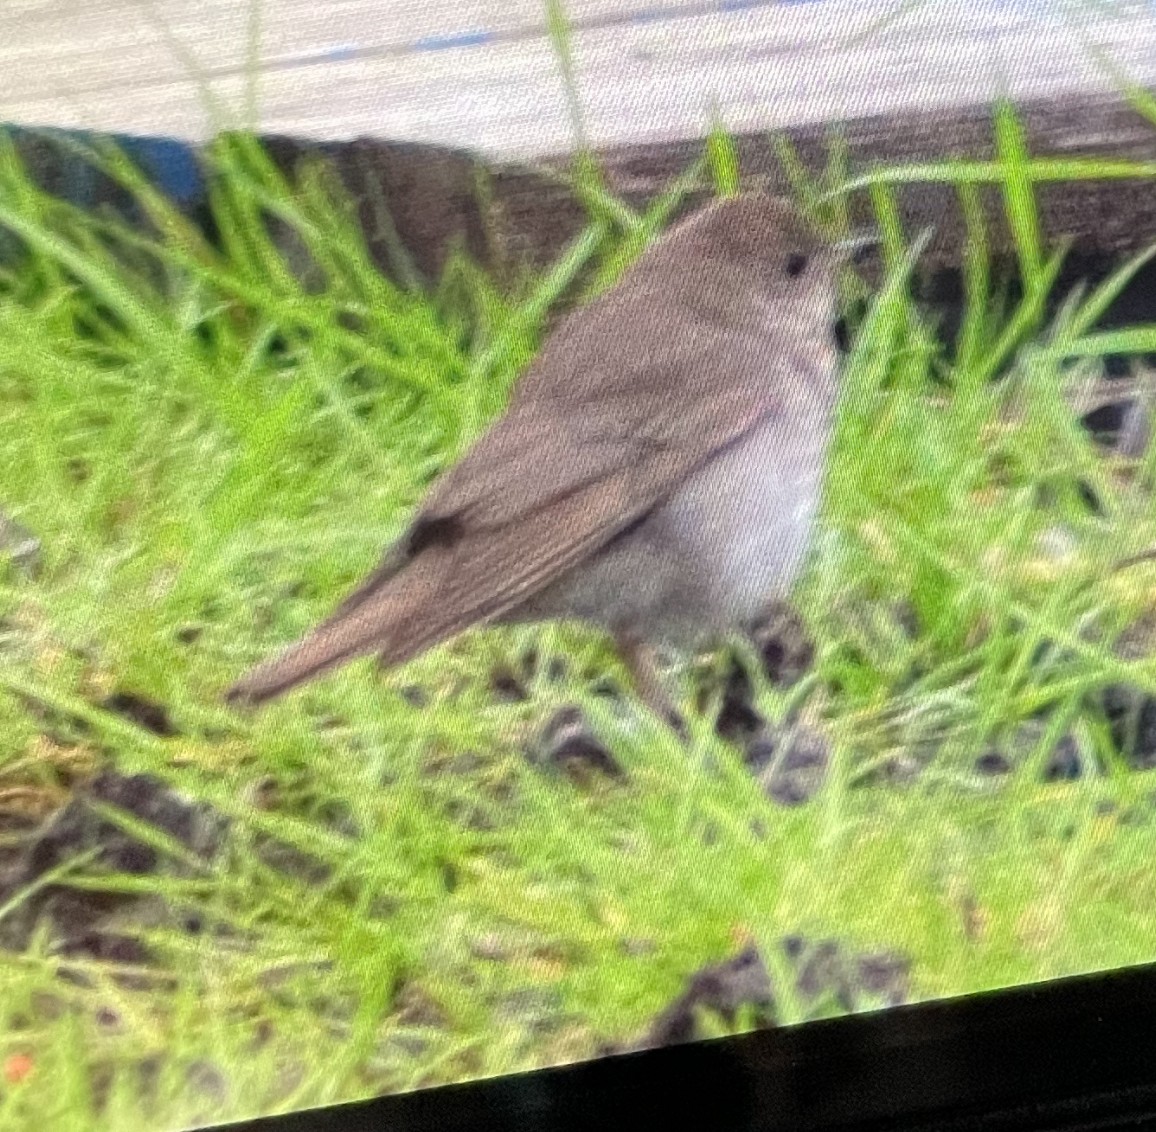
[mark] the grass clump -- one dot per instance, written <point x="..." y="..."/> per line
<point x="211" y="450"/>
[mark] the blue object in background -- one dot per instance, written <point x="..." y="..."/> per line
<point x="170" y="165"/>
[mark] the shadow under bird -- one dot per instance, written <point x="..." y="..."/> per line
<point x="657" y="472"/>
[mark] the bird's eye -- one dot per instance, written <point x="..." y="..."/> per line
<point x="796" y="265"/>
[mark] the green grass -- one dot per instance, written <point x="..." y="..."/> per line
<point x="209" y="451"/>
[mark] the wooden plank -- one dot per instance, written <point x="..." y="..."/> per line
<point x="339" y="71"/>
<point x="1103" y="219"/>
<point x="431" y="193"/>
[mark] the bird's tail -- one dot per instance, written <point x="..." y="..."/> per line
<point x="384" y="621"/>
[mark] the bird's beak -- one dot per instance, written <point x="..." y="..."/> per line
<point x="852" y="247"/>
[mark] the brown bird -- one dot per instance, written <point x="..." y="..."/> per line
<point x="657" y="472"/>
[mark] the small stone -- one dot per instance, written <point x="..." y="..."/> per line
<point x="639" y="948"/>
<point x="823" y="974"/>
<point x="1057" y="544"/>
<point x="207" y="1080"/>
<point x="797" y="769"/>
<point x="506" y="688"/>
<point x="415" y="695"/>
<point x="794" y="946"/>
<point x="885" y="975"/>
<point x="1131" y="715"/>
<point x="737" y="718"/>
<point x="782" y="642"/>
<point x="1064" y="763"/>
<point x="143" y="712"/>
<point x="490" y="947"/>
<point x="992" y="763"/>
<point x="287" y="859"/>
<point x="1135" y="430"/>
<point x="568" y="744"/>
<point x="722" y="989"/>
<point x="20" y="546"/>
<point x="262" y="793"/>
<point x="606" y="689"/>
<point x="760" y="752"/>
<point x="906" y="618"/>
<point x="108" y="1019"/>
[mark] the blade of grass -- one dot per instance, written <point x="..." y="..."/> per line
<point x="890" y="226"/>
<point x="529" y="315"/>
<point x="1026" y="319"/>
<point x="588" y="179"/>
<point x="723" y="158"/>
<point x="651" y="223"/>
<point x="1037" y="170"/>
<point x="802" y="184"/>
<point x="1019" y="199"/>
<point x="1106" y="293"/>
<point x="105" y="282"/>
<point x="1132" y="340"/>
<point x="976" y="295"/>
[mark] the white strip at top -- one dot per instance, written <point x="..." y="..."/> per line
<point x="485" y="75"/>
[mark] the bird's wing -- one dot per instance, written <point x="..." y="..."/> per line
<point x="548" y="485"/>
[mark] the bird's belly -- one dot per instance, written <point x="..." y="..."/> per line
<point x="742" y="523"/>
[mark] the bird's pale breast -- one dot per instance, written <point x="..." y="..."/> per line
<point x="742" y="524"/>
